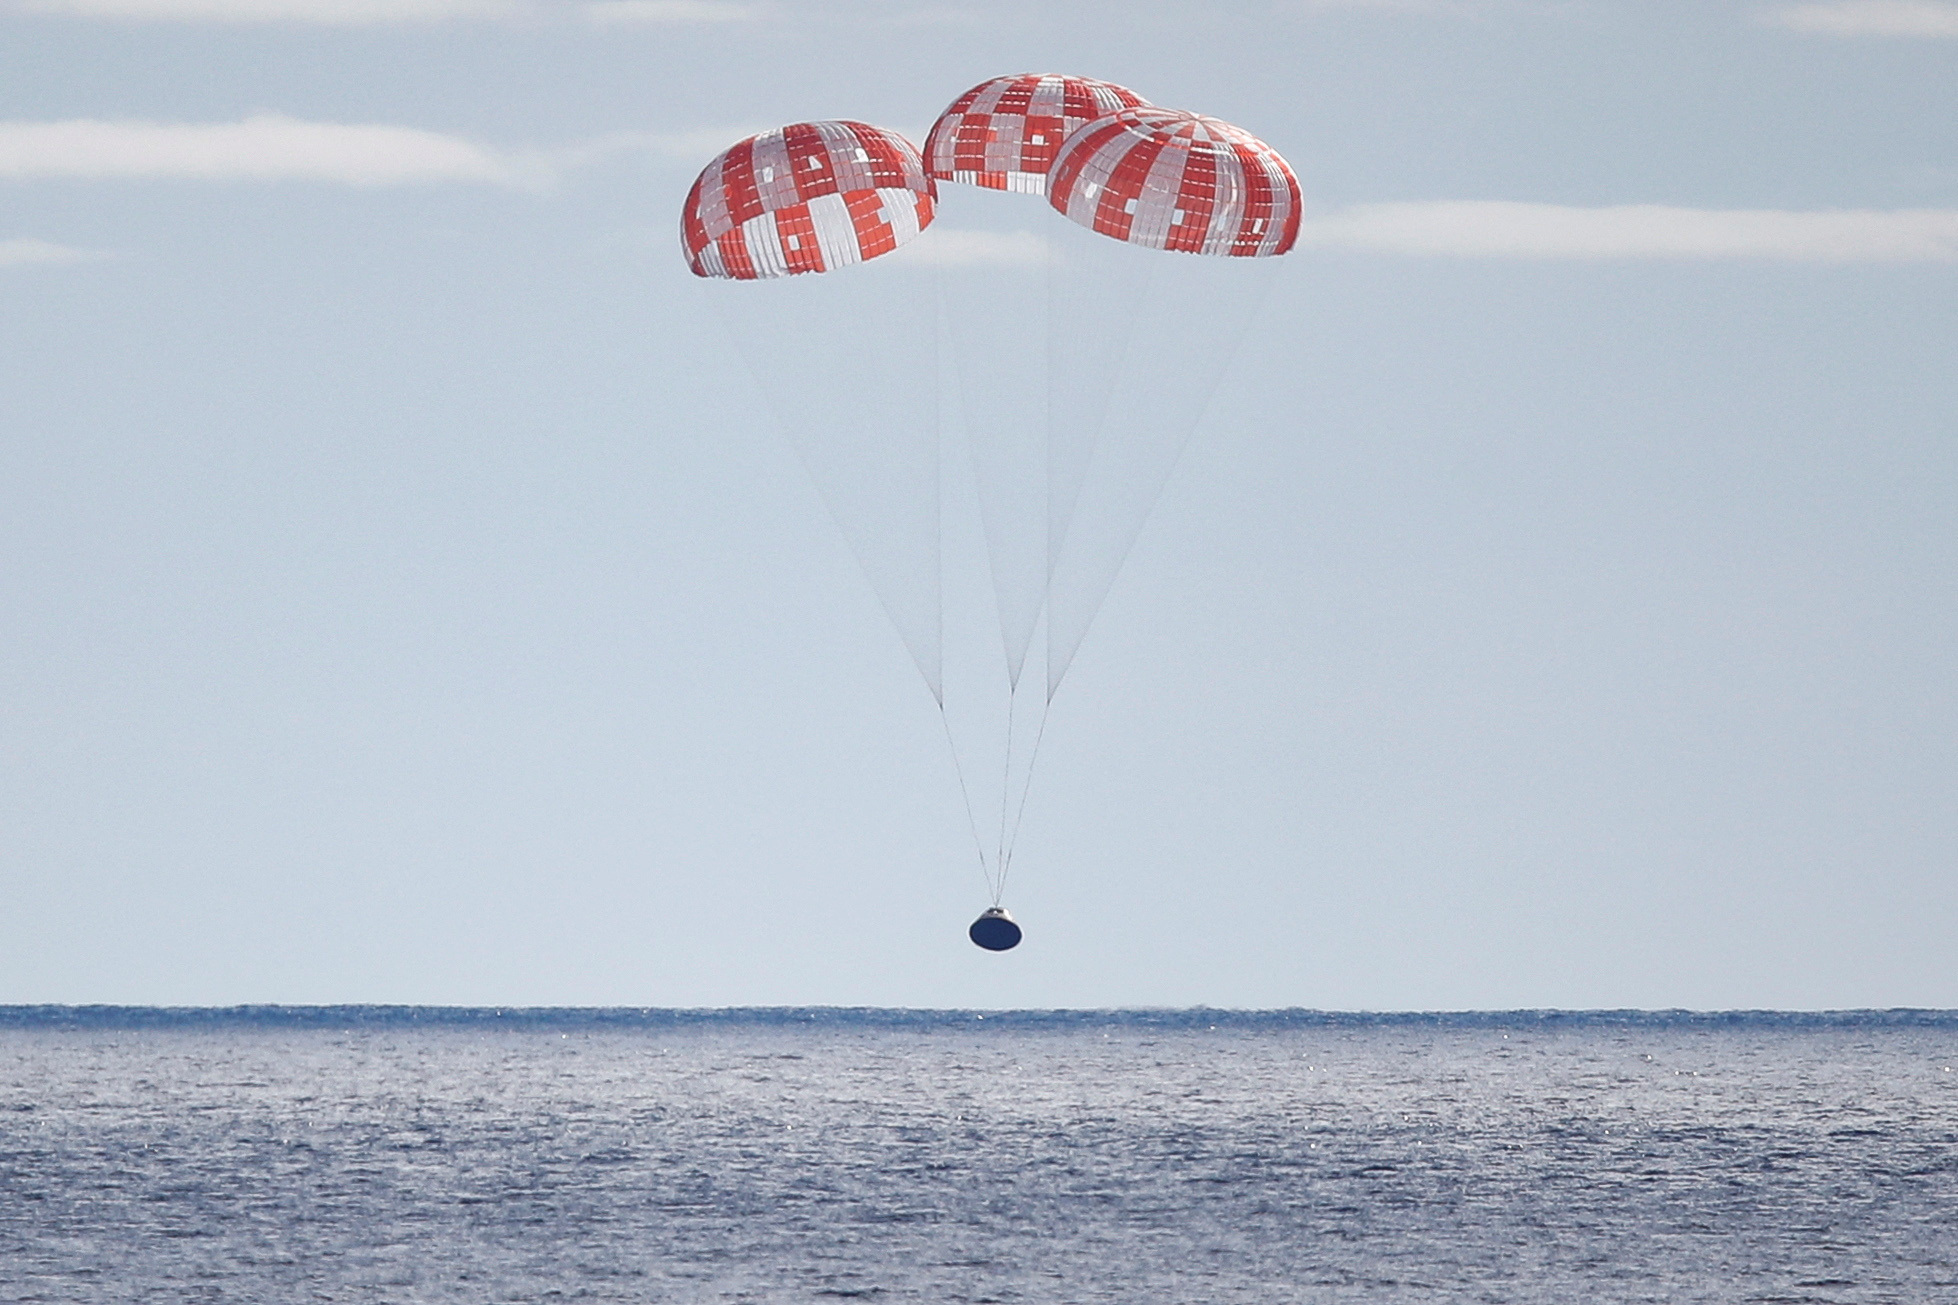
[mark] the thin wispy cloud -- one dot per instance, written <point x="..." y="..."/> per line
<point x="695" y="145"/>
<point x="1388" y="6"/>
<point x="939" y="17"/>
<point x="950" y="247"/>
<point x="328" y="13"/>
<point x="1495" y="229"/>
<point x="1448" y="8"/>
<point x="1908" y="18"/>
<point x="667" y="13"/>
<point x="44" y="253"/>
<point x="682" y="13"/>
<point x="265" y="148"/>
<point x="403" y="13"/>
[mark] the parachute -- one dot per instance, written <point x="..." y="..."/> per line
<point x="1081" y="353"/>
<point x="1004" y="133"/>
<point x="1177" y="181"/>
<point x="846" y="363"/>
<point x="810" y="197"/>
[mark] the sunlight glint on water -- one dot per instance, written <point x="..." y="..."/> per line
<point x="803" y="1156"/>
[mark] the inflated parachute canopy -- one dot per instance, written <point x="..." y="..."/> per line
<point x="1165" y="179"/>
<point x="1003" y="134"/>
<point x="809" y="197"/>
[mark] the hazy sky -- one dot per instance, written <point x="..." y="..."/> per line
<point x="406" y="600"/>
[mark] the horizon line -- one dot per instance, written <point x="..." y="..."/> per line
<point x="348" y="1015"/>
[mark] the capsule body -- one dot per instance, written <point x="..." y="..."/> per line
<point x="995" y="930"/>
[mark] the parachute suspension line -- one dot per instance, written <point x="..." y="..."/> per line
<point x="1006" y="785"/>
<point x="1231" y="342"/>
<point x="958" y="768"/>
<point x="939" y="356"/>
<point x="1019" y="818"/>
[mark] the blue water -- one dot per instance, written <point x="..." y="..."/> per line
<point x="402" y="1154"/>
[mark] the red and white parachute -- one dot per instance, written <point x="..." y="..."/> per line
<point x="809" y="197"/>
<point x="1005" y="132"/>
<point x="1178" y="181"/>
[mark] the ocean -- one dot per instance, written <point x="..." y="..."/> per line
<point x="368" y="1154"/>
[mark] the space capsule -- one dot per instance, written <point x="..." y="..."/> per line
<point x="995" y="930"/>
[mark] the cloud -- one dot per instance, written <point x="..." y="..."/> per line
<point x="1391" y="6"/>
<point x="951" y="247"/>
<point x="267" y="147"/>
<point x="1446" y="8"/>
<point x="611" y="13"/>
<point x="374" y="13"/>
<point x="694" y="146"/>
<point x="940" y="17"/>
<point x="330" y="13"/>
<point x="1494" y="229"/>
<point x="275" y="148"/>
<point x="42" y="253"/>
<point x="1870" y="18"/>
<point x="677" y="13"/>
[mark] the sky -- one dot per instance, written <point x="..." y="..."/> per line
<point x="407" y="597"/>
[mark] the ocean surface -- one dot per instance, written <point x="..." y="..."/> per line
<point x="368" y="1154"/>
